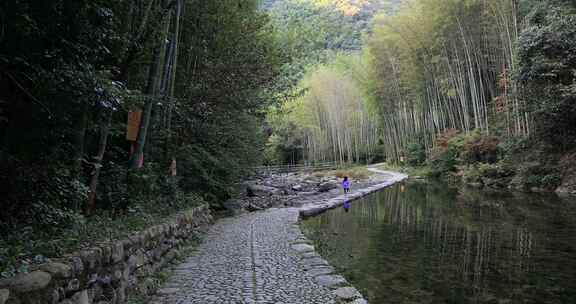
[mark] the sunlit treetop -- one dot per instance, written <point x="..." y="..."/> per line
<point x="346" y="7"/>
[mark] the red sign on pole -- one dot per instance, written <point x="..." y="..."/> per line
<point x="173" y="168"/>
<point x="133" y="126"/>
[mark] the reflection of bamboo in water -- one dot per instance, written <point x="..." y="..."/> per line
<point x="524" y="248"/>
<point x="481" y="263"/>
<point x="446" y="241"/>
<point x="475" y="249"/>
<point x="467" y="250"/>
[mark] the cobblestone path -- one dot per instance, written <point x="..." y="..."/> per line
<point x="247" y="259"/>
<point x="263" y="257"/>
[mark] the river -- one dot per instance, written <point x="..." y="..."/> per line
<point x="427" y="242"/>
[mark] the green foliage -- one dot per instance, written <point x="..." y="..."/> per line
<point x="114" y="194"/>
<point x="284" y="147"/>
<point x="488" y="161"/>
<point x="65" y="65"/>
<point x="471" y="175"/>
<point x="202" y="170"/>
<point x="310" y="34"/>
<point x="547" y="59"/>
<point x="29" y="245"/>
<point x="70" y="71"/>
<point x="511" y="146"/>
<point x="480" y="148"/>
<point x="325" y="27"/>
<point x="496" y="175"/>
<point x="329" y="121"/>
<point x="445" y="162"/>
<point x="52" y="196"/>
<point x="445" y="159"/>
<point x="454" y="150"/>
<point x="535" y="175"/>
<point x="415" y="154"/>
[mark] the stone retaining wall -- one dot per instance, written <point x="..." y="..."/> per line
<point x="106" y="274"/>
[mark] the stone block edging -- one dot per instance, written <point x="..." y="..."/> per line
<point x="314" y="209"/>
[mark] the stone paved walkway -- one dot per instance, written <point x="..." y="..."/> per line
<point x="262" y="257"/>
<point x="247" y="259"/>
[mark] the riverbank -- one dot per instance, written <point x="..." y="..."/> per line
<point x="557" y="176"/>
<point x="387" y="178"/>
<point x="298" y="188"/>
<point x="493" y="162"/>
<point x="263" y="257"/>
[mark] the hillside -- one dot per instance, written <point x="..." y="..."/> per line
<point x="346" y="7"/>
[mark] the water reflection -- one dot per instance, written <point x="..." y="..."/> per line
<point x="427" y="243"/>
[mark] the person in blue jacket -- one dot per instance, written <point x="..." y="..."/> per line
<point x="346" y="184"/>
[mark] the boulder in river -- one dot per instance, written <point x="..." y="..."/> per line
<point x="325" y="187"/>
<point x="297" y="187"/>
<point x="261" y="190"/>
<point x="253" y="207"/>
<point x="346" y="294"/>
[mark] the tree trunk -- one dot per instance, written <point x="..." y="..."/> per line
<point x="172" y="82"/>
<point x="104" y="131"/>
<point x="151" y="90"/>
<point x="80" y="141"/>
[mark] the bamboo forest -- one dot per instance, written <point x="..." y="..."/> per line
<point x="189" y="151"/>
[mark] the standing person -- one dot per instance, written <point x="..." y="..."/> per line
<point x="346" y="184"/>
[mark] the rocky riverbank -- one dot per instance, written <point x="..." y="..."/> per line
<point x="297" y="189"/>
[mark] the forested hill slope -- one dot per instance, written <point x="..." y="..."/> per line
<point x="312" y="32"/>
<point x="481" y="90"/>
<point x="348" y="19"/>
<point x="347" y="7"/>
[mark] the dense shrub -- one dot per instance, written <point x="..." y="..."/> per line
<point x="415" y="154"/>
<point x="471" y="175"/>
<point x="535" y="175"/>
<point x="39" y="196"/>
<point x="445" y="157"/>
<point x="546" y="62"/>
<point x="206" y="173"/>
<point x="56" y="231"/>
<point x="473" y="156"/>
<point x="113" y="194"/>
<point x="490" y="175"/>
<point x="480" y="148"/>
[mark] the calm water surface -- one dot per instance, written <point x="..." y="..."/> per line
<point x="429" y="243"/>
